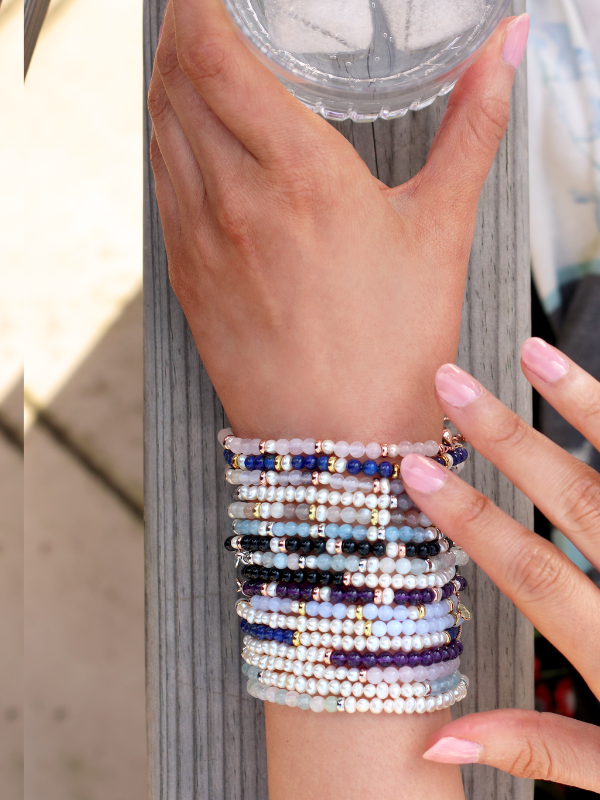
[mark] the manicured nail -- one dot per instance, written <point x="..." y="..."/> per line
<point x="456" y="387"/>
<point x="543" y="360"/>
<point x="423" y="474"/>
<point x="454" y="751"/>
<point x="515" y="41"/>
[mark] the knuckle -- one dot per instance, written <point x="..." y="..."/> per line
<point x="509" y="431"/>
<point x="533" y="759"/>
<point x="582" y="500"/>
<point x="487" y="120"/>
<point x="233" y="221"/>
<point x="158" y="102"/>
<point x="476" y="509"/>
<point x="204" y="59"/>
<point x="167" y="60"/>
<point x="538" y="572"/>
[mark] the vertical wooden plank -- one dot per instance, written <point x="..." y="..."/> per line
<point x="205" y="736"/>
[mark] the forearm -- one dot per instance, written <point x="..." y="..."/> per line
<point x="342" y="755"/>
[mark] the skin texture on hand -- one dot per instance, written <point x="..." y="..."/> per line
<point x="537" y="576"/>
<point x="321" y="303"/>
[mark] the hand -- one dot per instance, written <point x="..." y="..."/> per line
<point x="286" y="254"/>
<point x="562" y="603"/>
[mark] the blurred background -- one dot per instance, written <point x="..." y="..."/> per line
<point x="71" y="223"/>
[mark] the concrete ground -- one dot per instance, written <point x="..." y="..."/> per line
<point x="84" y="594"/>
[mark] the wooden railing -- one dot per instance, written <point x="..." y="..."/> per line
<point x="205" y="735"/>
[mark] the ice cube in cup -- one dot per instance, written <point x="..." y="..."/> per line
<point x="418" y="24"/>
<point x="320" y="26"/>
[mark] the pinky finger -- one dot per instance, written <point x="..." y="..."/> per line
<point x="525" y="744"/>
<point x="166" y="196"/>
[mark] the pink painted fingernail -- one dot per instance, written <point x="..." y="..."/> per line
<point x="423" y="474"/>
<point x="450" y="750"/>
<point x="515" y="41"/>
<point x="456" y="387"/>
<point x="543" y="360"/>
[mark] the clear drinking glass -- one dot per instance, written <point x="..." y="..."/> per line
<point x="363" y="59"/>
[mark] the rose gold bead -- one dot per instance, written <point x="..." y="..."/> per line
<point x="402" y="550"/>
<point x="316" y="593"/>
<point x="362" y="675"/>
<point x="327" y="659"/>
<point x="282" y="546"/>
<point x="319" y="446"/>
<point x="338" y="547"/>
<point x="262" y="446"/>
<point x="263" y="478"/>
<point x="375" y="485"/>
<point x="347" y="579"/>
<point x="384" y="450"/>
<point x="263" y="589"/>
<point x="378" y="596"/>
<point x="315" y="478"/>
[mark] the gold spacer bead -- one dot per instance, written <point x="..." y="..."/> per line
<point x="374" y="516"/>
<point x="448" y="639"/>
<point x="312" y="512"/>
<point x="359" y="612"/>
<point x="296" y="639"/>
<point x="256" y="510"/>
<point x="421" y="610"/>
<point x="302" y="609"/>
<point x="331" y="463"/>
<point x="396" y="471"/>
<point x="368" y="627"/>
<point x="235" y="462"/>
<point x="464" y="612"/>
<point x="278" y="460"/>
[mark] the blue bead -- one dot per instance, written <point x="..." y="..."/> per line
<point x="391" y="533"/>
<point x="360" y="533"/>
<point x="385" y="469"/>
<point x="290" y="528"/>
<point x="278" y="635"/>
<point x="288" y="637"/>
<point x="303" y="529"/>
<point x="345" y="531"/>
<point x="322" y="463"/>
<point x="369" y="468"/>
<point x="439" y="460"/>
<point x="297" y="462"/>
<point x="269" y="462"/>
<point x="279" y="529"/>
<point x="353" y="466"/>
<point x="249" y="462"/>
<point x="310" y="462"/>
<point x="331" y="530"/>
<point x="259" y="462"/>
<point x="227" y="456"/>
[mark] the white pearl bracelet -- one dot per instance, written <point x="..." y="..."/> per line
<point x="325" y="609"/>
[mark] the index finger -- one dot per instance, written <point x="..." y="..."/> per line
<point x="248" y="99"/>
<point x="550" y="590"/>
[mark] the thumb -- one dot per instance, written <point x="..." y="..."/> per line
<point x="475" y="122"/>
<point x="525" y="743"/>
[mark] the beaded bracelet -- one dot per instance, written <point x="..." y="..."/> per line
<point x="353" y="466"/>
<point x="272" y="576"/>
<point x="359" y="533"/>
<point x="253" y="544"/>
<point x="325" y="609"/>
<point x="350" y="594"/>
<point x="342" y="449"/>
<point x="350" y="705"/>
<point x="355" y="659"/>
<point x="391" y="674"/>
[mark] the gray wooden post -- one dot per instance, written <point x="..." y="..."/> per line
<point x="205" y="735"/>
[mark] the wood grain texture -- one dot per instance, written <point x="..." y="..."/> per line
<point x="205" y="735"/>
<point x="34" y="15"/>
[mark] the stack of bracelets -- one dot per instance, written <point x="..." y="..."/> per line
<point x="351" y="595"/>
